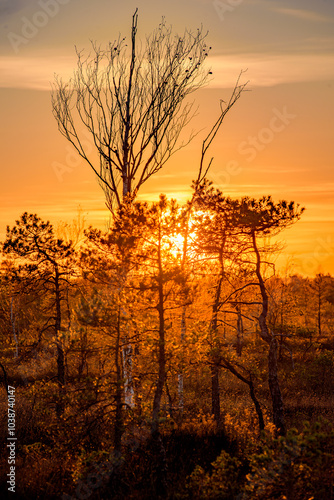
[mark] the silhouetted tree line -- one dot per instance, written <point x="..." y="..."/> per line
<point x="164" y="357"/>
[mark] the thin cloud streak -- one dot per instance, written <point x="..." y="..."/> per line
<point x="263" y="71"/>
<point x="303" y="15"/>
<point x="35" y="73"/>
<point x="270" y="70"/>
<point x="280" y="170"/>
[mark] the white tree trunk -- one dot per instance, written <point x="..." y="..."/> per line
<point x="127" y="373"/>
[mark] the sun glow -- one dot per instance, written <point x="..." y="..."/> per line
<point x="176" y="245"/>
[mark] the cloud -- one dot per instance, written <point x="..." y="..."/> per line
<point x="279" y="170"/>
<point x="35" y="73"/>
<point x="304" y="15"/>
<point x="265" y="70"/>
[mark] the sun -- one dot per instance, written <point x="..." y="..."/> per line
<point x="178" y="242"/>
<point x="187" y="229"/>
<point x="175" y="244"/>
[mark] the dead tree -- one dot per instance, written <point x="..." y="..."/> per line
<point x="133" y="103"/>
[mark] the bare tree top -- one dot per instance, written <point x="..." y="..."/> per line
<point x="132" y="100"/>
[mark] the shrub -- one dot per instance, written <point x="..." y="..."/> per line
<point x="295" y="467"/>
<point x="222" y="483"/>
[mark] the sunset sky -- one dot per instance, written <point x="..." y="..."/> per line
<point x="278" y="139"/>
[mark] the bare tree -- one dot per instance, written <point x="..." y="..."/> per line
<point x="133" y="103"/>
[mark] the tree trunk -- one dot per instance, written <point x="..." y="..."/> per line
<point x="257" y="405"/>
<point x="276" y="396"/>
<point x="275" y="391"/>
<point x="319" y="313"/>
<point x="215" y="393"/>
<point x="159" y="452"/>
<point x="161" y="350"/>
<point x="240" y="332"/>
<point x="180" y="380"/>
<point x="161" y="378"/>
<point x="13" y="321"/>
<point x="118" y="425"/>
<point x="126" y="179"/>
<point x="127" y="371"/>
<point x="60" y="349"/>
<point x="226" y="364"/>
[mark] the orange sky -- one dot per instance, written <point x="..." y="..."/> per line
<point x="278" y="139"/>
